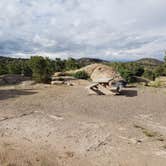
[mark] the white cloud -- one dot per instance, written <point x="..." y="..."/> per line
<point x="110" y="29"/>
<point x="44" y="41"/>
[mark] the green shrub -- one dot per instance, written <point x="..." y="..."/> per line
<point x="81" y="75"/>
<point x="128" y="70"/>
<point x="26" y="70"/>
<point x="149" y="75"/>
<point x="59" y="65"/>
<point x="71" y="64"/>
<point x="160" y="70"/>
<point x="3" y="69"/>
<point x="42" y="68"/>
<point x="127" y="75"/>
<point x="15" y="67"/>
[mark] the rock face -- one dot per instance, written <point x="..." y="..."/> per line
<point x="62" y="78"/>
<point x="9" y="79"/>
<point x="57" y="79"/>
<point x="100" y="71"/>
<point x="57" y="82"/>
<point x="96" y="72"/>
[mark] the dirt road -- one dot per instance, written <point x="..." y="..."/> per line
<point x="44" y="125"/>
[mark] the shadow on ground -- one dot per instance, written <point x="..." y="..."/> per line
<point x="5" y="94"/>
<point x="129" y="93"/>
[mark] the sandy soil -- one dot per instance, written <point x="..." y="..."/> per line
<point x="44" y="125"/>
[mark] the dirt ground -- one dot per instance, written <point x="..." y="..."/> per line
<point x="48" y="125"/>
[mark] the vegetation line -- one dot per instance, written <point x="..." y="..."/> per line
<point x="41" y="69"/>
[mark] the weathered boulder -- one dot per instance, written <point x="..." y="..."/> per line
<point x="103" y="72"/>
<point x="62" y="78"/>
<point x="57" y="74"/>
<point x="59" y="80"/>
<point x="9" y="79"/>
<point x="98" y="71"/>
<point x="2" y="82"/>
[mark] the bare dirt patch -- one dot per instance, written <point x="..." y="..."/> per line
<point x="44" y="125"/>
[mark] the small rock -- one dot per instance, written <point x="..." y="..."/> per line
<point x="139" y="141"/>
<point x="57" y="82"/>
<point x="69" y="84"/>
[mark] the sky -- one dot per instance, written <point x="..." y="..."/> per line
<point x="105" y="29"/>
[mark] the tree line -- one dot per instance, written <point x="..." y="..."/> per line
<point x="41" y="69"/>
<point x="37" y="67"/>
<point x="130" y="70"/>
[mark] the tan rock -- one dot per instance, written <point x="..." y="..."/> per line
<point x="103" y="72"/>
<point x="98" y="71"/>
<point x="57" y="82"/>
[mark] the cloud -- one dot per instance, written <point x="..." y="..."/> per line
<point x="109" y="29"/>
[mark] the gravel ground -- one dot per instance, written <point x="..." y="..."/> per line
<point x="44" y="125"/>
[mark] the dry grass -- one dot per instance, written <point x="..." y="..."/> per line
<point x="14" y="159"/>
<point x="17" y="158"/>
<point x="138" y="126"/>
<point x="149" y="133"/>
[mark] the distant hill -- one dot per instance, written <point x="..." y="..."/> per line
<point x="149" y="62"/>
<point x="146" y="62"/>
<point x="2" y="58"/>
<point x="7" y="59"/>
<point x="88" y="61"/>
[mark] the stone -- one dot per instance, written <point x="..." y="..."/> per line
<point x="57" y="82"/>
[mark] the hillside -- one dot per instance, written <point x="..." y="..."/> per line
<point x="149" y="61"/>
<point x="88" y="61"/>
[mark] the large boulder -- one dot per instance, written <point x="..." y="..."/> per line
<point x="103" y="72"/>
<point x="2" y="82"/>
<point x="100" y="71"/>
<point x="95" y="71"/>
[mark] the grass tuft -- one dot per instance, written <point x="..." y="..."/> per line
<point x="149" y="133"/>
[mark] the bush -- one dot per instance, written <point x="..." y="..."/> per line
<point x="26" y="70"/>
<point x="59" y="65"/>
<point x="127" y="75"/>
<point x="15" y="67"/>
<point x="71" y="64"/>
<point x="3" y="69"/>
<point x="160" y="71"/>
<point x="81" y="75"/>
<point x="138" y="71"/>
<point x="42" y="68"/>
<point x="128" y="70"/>
<point x="165" y="58"/>
<point x="149" y="75"/>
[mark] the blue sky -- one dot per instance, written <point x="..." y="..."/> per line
<point x="105" y="29"/>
